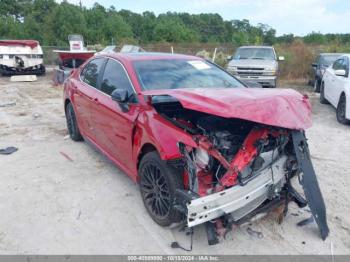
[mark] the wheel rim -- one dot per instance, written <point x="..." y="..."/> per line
<point x="155" y="191"/>
<point x="341" y="110"/>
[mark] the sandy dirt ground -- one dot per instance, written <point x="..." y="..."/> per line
<point x="82" y="204"/>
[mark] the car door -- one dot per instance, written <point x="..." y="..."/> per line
<point x="113" y="126"/>
<point x="84" y="92"/>
<point x="333" y="90"/>
<point x="341" y="81"/>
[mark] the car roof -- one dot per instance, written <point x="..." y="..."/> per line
<point x="138" y="56"/>
<point x="256" y="46"/>
<point x="346" y="55"/>
<point x="331" y="54"/>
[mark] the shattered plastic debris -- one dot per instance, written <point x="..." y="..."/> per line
<point x="66" y="156"/>
<point x="254" y="233"/>
<point x="36" y="115"/>
<point x="8" y="104"/>
<point x="305" y="221"/>
<point x="8" y="150"/>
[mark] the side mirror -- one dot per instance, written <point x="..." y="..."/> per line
<point x="281" y="58"/>
<point x="340" y="72"/>
<point x="120" y="95"/>
<point x="229" y="57"/>
<point x="314" y="65"/>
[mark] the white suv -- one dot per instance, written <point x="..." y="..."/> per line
<point x="335" y="88"/>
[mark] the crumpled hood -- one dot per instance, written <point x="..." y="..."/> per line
<point x="251" y="63"/>
<point x="276" y="107"/>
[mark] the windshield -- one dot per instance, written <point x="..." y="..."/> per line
<point x="328" y="60"/>
<point x="178" y="73"/>
<point x="255" y="53"/>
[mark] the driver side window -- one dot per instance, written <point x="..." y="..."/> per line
<point x="338" y="64"/>
<point x="115" y="77"/>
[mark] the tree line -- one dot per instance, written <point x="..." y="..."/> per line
<point x="50" y="23"/>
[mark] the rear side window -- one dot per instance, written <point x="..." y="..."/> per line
<point x="115" y="77"/>
<point x="91" y="72"/>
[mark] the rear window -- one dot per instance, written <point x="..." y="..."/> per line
<point x="179" y="73"/>
<point x="91" y="71"/>
<point x="328" y="60"/>
<point x="255" y="53"/>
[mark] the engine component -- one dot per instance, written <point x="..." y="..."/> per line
<point x="201" y="158"/>
<point x="227" y="143"/>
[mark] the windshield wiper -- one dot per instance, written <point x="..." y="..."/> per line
<point x="258" y="58"/>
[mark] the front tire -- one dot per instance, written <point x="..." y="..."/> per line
<point x="323" y="100"/>
<point x="158" y="184"/>
<point x="341" y="111"/>
<point x="72" y="124"/>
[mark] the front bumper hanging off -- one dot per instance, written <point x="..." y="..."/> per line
<point x="238" y="200"/>
<point x="267" y="189"/>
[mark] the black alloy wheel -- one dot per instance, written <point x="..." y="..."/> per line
<point x="341" y="111"/>
<point x="156" y="191"/>
<point x="72" y="124"/>
<point x="158" y="184"/>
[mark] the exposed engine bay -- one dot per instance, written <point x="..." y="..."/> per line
<point x="239" y="168"/>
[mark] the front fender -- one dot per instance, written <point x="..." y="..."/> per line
<point x="151" y="128"/>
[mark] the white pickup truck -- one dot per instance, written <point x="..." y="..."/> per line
<point x="21" y="57"/>
<point x="255" y="64"/>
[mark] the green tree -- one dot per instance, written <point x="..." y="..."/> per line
<point x="115" y="28"/>
<point x="169" y="28"/>
<point x="64" y="20"/>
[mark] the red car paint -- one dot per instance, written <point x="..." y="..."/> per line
<point x="74" y="55"/>
<point x="276" y="107"/>
<point x="31" y="43"/>
<point x="246" y="154"/>
<point x="124" y="136"/>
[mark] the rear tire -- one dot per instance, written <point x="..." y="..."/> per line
<point x="316" y="86"/>
<point x="341" y="111"/>
<point x="323" y="100"/>
<point x="72" y="124"/>
<point x="158" y="184"/>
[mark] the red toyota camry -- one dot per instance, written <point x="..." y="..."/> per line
<point x="203" y="147"/>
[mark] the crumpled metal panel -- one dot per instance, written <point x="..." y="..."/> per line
<point x="276" y="107"/>
<point x="238" y="200"/>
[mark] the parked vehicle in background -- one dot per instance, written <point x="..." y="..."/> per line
<point x="323" y="61"/>
<point x="70" y="59"/>
<point x="202" y="146"/>
<point x="335" y="88"/>
<point x="21" y="57"/>
<point x="255" y="63"/>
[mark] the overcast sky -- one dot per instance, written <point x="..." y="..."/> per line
<point x="286" y="16"/>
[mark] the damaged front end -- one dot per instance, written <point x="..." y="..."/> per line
<point x="239" y="168"/>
